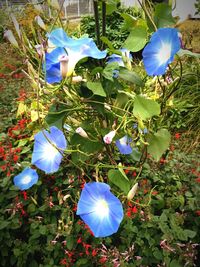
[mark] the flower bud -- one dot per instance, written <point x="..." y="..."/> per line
<point x="81" y="132"/>
<point x="9" y="35"/>
<point x="78" y="79"/>
<point x="132" y="192"/>
<point x="64" y="65"/>
<point x="109" y="137"/>
<point x="40" y="22"/>
<point x="40" y="49"/>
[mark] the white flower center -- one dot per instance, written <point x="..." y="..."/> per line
<point x="102" y="208"/>
<point x="123" y="141"/>
<point x="26" y="179"/>
<point x="164" y="53"/>
<point x="49" y="151"/>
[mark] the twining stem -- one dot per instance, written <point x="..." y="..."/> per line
<point x="143" y="6"/>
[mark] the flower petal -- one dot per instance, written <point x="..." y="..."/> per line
<point x="45" y="155"/>
<point x="160" y="51"/>
<point x="100" y="209"/>
<point x="58" y="37"/>
<point x="124" y="146"/>
<point x="53" y="74"/>
<point x="26" y="179"/>
<point x="118" y="58"/>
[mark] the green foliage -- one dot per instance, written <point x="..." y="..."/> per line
<point x="39" y="227"/>
<point x="115" y="29"/>
<point x="136" y="39"/>
<point x="163" y="16"/>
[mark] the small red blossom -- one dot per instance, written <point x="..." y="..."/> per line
<point x="134" y="174"/>
<point x="15" y="158"/>
<point x="177" y="135"/>
<point x="82" y="185"/>
<point x="63" y="261"/>
<point x="145" y="191"/>
<point x="79" y="240"/>
<point x="163" y="161"/>
<point x="103" y="260"/>
<point x="51" y="205"/>
<point x="154" y="193"/>
<point x="198" y="212"/>
<point x="126" y="171"/>
<point x="74" y="208"/>
<point x="25" y="196"/>
<point x="94" y="252"/>
<point x="134" y="209"/>
<point x="197" y="180"/>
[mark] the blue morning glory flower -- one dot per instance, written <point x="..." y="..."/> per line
<point x="160" y="51"/>
<point x="123" y="144"/>
<point x="48" y="149"/>
<point x="66" y="53"/>
<point x="26" y="179"/>
<point x="118" y="58"/>
<point x="100" y="209"/>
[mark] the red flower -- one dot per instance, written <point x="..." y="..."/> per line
<point x="134" y="209"/>
<point x="24" y="195"/>
<point x="177" y="135"/>
<point x="197" y="180"/>
<point x="154" y="193"/>
<point x="103" y="260"/>
<point x="63" y="261"/>
<point x="15" y="158"/>
<point x="198" y="212"/>
<point x="94" y="252"/>
<point x="134" y="174"/>
<point x="79" y="240"/>
<point x="163" y="161"/>
<point x="128" y="213"/>
<point x="126" y="171"/>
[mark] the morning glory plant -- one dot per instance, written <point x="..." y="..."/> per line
<point x="48" y="149"/>
<point x="27" y="178"/>
<point x="160" y="51"/>
<point x="66" y="53"/>
<point x="100" y="209"/>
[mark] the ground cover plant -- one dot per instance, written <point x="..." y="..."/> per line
<point x="93" y="172"/>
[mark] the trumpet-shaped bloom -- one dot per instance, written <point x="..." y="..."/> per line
<point x="109" y="137"/>
<point x="100" y="209"/>
<point x="67" y="52"/>
<point x="48" y="149"/>
<point x="119" y="59"/>
<point x="160" y="51"/>
<point x="123" y="144"/>
<point x="26" y="179"/>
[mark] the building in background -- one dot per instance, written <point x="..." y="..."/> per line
<point x="77" y="8"/>
<point x="184" y="9"/>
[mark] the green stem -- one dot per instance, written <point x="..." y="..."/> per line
<point x="143" y="6"/>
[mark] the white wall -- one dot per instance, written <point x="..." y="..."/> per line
<point x="184" y="8"/>
<point x="128" y="3"/>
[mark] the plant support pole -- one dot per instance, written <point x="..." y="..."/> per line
<point x="103" y="19"/>
<point x="96" y="15"/>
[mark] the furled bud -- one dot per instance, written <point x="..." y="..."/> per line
<point x="132" y="192"/>
<point x="64" y="65"/>
<point x="81" y="132"/>
<point x="109" y="137"/>
<point x="9" y="35"/>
